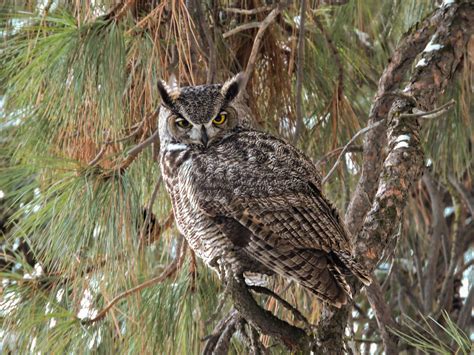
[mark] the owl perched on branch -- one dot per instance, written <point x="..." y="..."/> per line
<point x="247" y="200"/>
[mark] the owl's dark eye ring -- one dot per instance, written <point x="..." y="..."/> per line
<point x="220" y="119"/>
<point x="181" y="122"/>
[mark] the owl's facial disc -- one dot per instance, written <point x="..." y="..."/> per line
<point x="201" y="134"/>
<point x="199" y="115"/>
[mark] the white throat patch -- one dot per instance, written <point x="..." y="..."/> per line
<point x="176" y="146"/>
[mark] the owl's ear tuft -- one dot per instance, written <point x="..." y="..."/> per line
<point x="232" y="87"/>
<point x="169" y="93"/>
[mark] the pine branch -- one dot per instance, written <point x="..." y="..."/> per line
<point x="168" y="272"/>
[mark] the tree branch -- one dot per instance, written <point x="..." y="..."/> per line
<point x="248" y="11"/>
<point x="386" y="182"/>
<point x="169" y="271"/>
<point x="384" y="318"/>
<point x="244" y="27"/>
<point x="258" y="39"/>
<point x="293" y="337"/>
<point x="297" y="314"/>
<point x="299" y="74"/>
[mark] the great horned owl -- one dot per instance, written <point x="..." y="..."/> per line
<point x="246" y="199"/>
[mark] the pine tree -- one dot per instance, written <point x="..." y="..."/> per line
<point x="91" y="259"/>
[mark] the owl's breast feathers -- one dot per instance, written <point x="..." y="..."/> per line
<point x="263" y="197"/>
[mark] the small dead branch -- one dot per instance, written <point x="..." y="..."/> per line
<point x="150" y="206"/>
<point x="299" y="74"/>
<point x="437" y="112"/>
<point x="248" y="11"/>
<point x="213" y="339"/>
<point x="336" y="56"/>
<point x="468" y="200"/>
<point x="108" y="142"/>
<point x="383" y="315"/>
<point x="135" y="151"/>
<point x="423" y="115"/>
<point x="346" y="147"/>
<point x="168" y="272"/>
<point x="98" y="157"/>
<point x="350" y="149"/>
<point x="296" y="313"/>
<point x="244" y="27"/>
<point x="220" y="304"/>
<point x="258" y="39"/>
<point x="119" y="10"/>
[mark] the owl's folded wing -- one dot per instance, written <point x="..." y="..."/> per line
<point x="297" y="232"/>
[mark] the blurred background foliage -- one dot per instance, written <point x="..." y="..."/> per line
<point x="83" y="219"/>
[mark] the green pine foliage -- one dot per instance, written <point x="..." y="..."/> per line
<point x="75" y="81"/>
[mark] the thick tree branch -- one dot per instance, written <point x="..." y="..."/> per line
<point x="375" y="141"/>
<point x="404" y="162"/>
<point x="387" y="181"/>
<point x="293" y="337"/>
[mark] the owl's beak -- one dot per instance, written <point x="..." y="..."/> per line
<point x="204" y="136"/>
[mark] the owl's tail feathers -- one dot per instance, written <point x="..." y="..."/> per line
<point x="325" y="279"/>
<point x="345" y="292"/>
<point x="355" y="268"/>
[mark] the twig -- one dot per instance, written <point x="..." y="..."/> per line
<point x="150" y="205"/>
<point x="351" y="149"/>
<point x="463" y="193"/>
<point x="222" y="346"/>
<point x="169" y="271"/>
<point x="244" y="27"/>
<point x="383" y="316"/>
<point x="299" y="74"/>
<point x="248" y="11"/>
<point x="258" y="39"/>
<point x="334" y="2"/>
<point x="296" y="313"/>
<point x="133" y="153"/>
<point x="211" y="47"/>
<point x="466" y="310"/>
<point x="220" y="304"/>
<point x="464" y="268"/>
<point x="135" y="131"/>
<point x="426" y="115"/>
<point x="213" y="338"/>
<point x="346" y="147"/>
<point x="336" y="55"/>
<point x="119" y="10"/>
<point x="439" y="228"/>
<point x="430" y="114"/>
<point x="99" y="156"/>
<point x="255" y="343"/>
<point x="107" y="142"/>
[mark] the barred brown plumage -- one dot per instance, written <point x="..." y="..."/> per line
<point x="246" y="199"/>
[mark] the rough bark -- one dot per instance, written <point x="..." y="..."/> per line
<point x="385" y="183"/>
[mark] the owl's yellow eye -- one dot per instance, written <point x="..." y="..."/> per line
<point x="181" y="122"/>
<point x="220" y="119"/>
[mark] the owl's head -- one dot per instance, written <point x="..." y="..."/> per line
<point x="199" y="115"/>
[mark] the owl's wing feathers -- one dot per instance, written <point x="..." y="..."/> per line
<point x="294" y="229"/>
